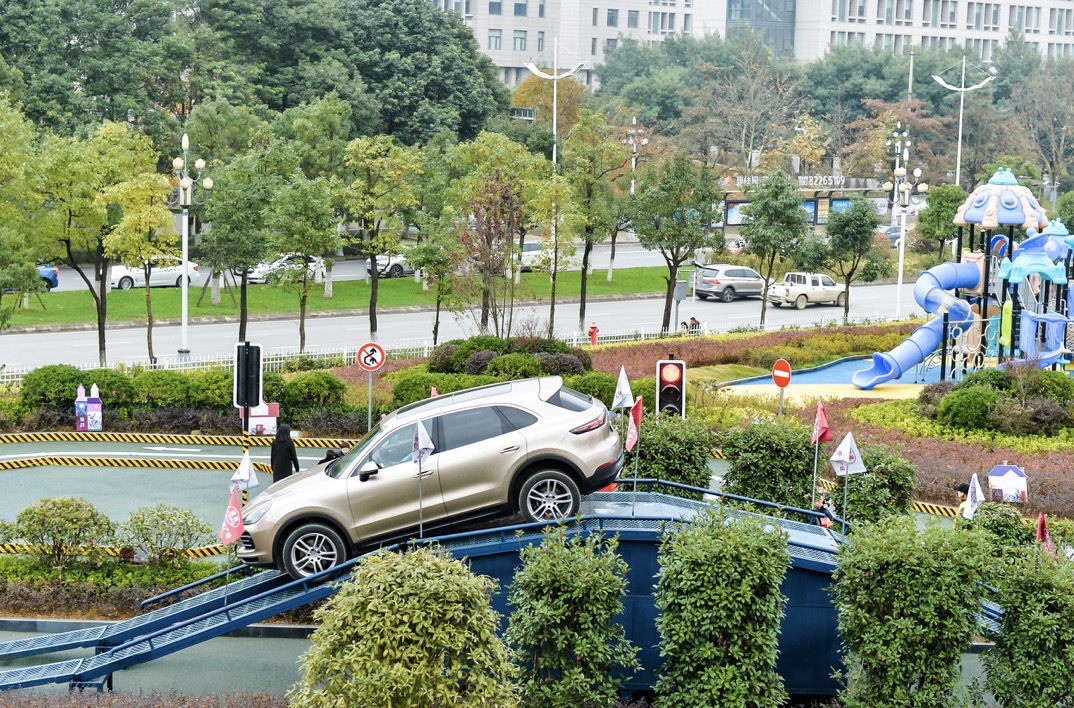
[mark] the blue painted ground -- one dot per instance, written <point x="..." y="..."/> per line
<point x="841" y="372"/>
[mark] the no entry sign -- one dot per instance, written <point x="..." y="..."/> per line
<point x="781" y="373"/>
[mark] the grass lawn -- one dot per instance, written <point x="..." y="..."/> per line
<point x="129" y="305"/>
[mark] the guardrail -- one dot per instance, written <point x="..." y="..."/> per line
<point x="277" y="359"/>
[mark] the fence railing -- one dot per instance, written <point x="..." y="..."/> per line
<point x="323" y="357"/>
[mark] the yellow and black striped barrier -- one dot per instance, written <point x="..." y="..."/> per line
<point x="64" y="461"/>
<point x="25" y="548"/>
<point x="166" y="438"/>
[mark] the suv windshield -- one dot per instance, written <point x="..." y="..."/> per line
<point x="335" y="469"/>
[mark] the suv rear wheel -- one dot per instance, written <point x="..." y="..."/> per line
<point x="312" y="548"/>
<point x="728" y="295"/>
<point x="801" y="302"/>
<point x="841" y="300"/>
<point x="548" y="495"/>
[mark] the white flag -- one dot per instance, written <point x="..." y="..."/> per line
<point x="623" y="396"/>
<point x="847" y="458"/>
<point x="423" y="444"/>
<point x="245" y="477"/>
<point x="974" y="498"/>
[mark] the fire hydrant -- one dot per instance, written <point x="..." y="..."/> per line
<point x="593" y="330"/>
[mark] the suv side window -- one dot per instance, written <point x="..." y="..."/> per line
<point x="518" y="419"/>
<point x="816" y="282"/>
<point x="748" y="273"/>
<point x="396" y="448"/>
<point x="828" y="282"/>
<point x="469" y="427"/>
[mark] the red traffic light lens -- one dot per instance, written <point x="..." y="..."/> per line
<point x="670" y="373"/>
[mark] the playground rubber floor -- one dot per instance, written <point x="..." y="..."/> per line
<point x="833" y="381"/>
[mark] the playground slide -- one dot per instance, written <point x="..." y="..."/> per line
<point x="931" y="292"/>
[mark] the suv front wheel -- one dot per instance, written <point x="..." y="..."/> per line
<point x="548" y="495"/>
<point x="312" y="548"/>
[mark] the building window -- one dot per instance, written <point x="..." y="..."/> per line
<point x="613" y="18"/>
<point x="495" y="7"/>
<point x="520" y="8"/>
<point x="610" y="44"/>
<point x="520" y="40"/>
<point x="596" y="14"/>
<point x="632" y="19"/>
<point x="593" y="45"/>
<point x="540" y="42"/>
<point x="540" y="8"/>
<point x="686" y="24"/>
<point x="494" y="38"/>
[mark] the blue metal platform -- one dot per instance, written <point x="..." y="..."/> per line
<point x="809" y="643"/>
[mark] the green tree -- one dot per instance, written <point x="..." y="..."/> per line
<point x="145" y="230"/>
<point x="592" y="155"/>
<point x="18" y="276"/>
<point x="852" y="235"/>
<point x="377" y="191"/>
<point x="423" y="68"/>
<point x="907" y="600"/>
<point x="566" y="645"/>
<point x="433" y="643"/>
<point x="718" y="593"/>
<point x="439" y="257"/>
<point x="935" y="221"/>
<point x="304" y="224"/>
<point x="221" y="130"/>
<point x="1014" y="62"/>
<point x="672" y="211"/>
<point x="774" y="225"/>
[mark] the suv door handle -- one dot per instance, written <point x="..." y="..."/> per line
<point x="511" y="448"/>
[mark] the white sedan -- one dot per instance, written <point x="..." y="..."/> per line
<point x="164" y="271"/>
<point x="263" y="272"/>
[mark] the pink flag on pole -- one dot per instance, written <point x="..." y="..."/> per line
<point x="433" y="393"/>
<point x="232" y="527"/>
<point x="821" y="431"/>
<point x="1043" y="537"/>
<point x="633" y="424"/>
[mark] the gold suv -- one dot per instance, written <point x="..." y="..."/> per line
<point x="532" y="446"/>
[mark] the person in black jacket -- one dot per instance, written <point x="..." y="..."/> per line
<point x="283" y="455"/>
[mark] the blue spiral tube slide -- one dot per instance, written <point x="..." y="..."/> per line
<point x="933" y="292"/>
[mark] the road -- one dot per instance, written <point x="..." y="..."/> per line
<point x="415" y="328"/>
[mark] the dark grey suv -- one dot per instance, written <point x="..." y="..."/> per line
<point x="727" y="282"/>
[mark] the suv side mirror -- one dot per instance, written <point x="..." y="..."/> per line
<point x="367" y="470"/>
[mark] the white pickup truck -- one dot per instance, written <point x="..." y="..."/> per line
<point x="801" y="289"/>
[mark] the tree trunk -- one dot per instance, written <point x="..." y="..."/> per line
<point x="436" y="319"/>
<point x="552" y="297"/>
<point x="374" y="287"/>
<point x="587" y="251"/>
<point x="214" y="296"/>
<point x="242" y="308"/>
<point x="148" y="316"/>
<point x="302" y="317"/>
<point x="328" y="280"/>
<point x="611" y="257"/>
<point x="668" y="298"/>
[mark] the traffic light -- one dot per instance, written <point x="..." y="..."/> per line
<point x="671" y="387"/>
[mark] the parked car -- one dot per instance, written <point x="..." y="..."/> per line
<point x="393" y="265"/>
<point x="263" y="272"/>
<point x="532" y="446"/>
<point x="164" y="271"/>
<point x="801" y="289"/>
<point x="49" y="275"/>
<point x="727" y="282"/>
<point x="893" y="234"/>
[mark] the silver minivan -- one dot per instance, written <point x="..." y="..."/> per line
<point x="727" y="282"/>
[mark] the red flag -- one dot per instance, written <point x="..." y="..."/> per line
<point x="633" y="424"/>
<point x="433" y="393"/>
<point x="232" y="527"/>
<point x="821" y="431"/>
<point x="1043" y="536"/>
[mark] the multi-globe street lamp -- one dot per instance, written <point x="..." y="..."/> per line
<point x="901" y="189"/>
<point x="186" y="196"/>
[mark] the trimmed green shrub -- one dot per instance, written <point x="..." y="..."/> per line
<point x="928" y="400"/>
<point x="996" y="379"/>
<point x="478" y="362"/>
<point x="673" y="449"/>
<point x="583" y="356"/>
<point x="967" y="408"/>
<point x="472" y="345"/>
<point x="313" y="388"/>
<point x="907" y="600"/>
<point x="533" y="345"/>
<point x="116" y="388"/>
<point x="718" y="593"/>
<point x="63" y="529"/>
<point x="407" y="630"/>
<point x="597" y="384"/>
<point x="560" y="364"/>
<point x="771" y="458"/>
<point x="273" y="386"/>
<point x="514" y="366"/>
<point x="1002" y="527"/>
<point x="313" y="362"/>
<point x="440" y="358"/>
<point x="54" y="385"/>
<point x="417" y="385"/>
<point x="567" y="648"/>
<point x="886" y="489"/>
<point x="161" y="533"/>
<point x="214" y="388"/>
<point x="163" y="388"/>
<point x="1034" y="647"/>
<point x="1053" y="385"/>
<point x="341" y="422"/>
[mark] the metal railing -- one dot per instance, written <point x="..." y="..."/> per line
<point x="327" y="357"/>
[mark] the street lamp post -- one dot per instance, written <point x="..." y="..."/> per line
<point x="962" y="88"/>
<point x="554" y="77"/>
<point x="901" y="189"/>
<point x="184" y="198"/>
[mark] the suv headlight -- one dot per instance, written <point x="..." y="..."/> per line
<point x="256" y="514"/>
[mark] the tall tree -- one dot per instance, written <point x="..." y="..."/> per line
<point x="439" y="257"/>
<point x="535" y="92"/>
<point x="775" y="224"/>
<point x="934" y="223"/>
<point x="851" y="235"/>
<point x="145" y="230"/>
<point x="591" y="156"/>
<point x="672" y="211"/>
<point x="376" y="192"/>
<point x="1044" y="105"/>
<point x="304" y="223"/>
